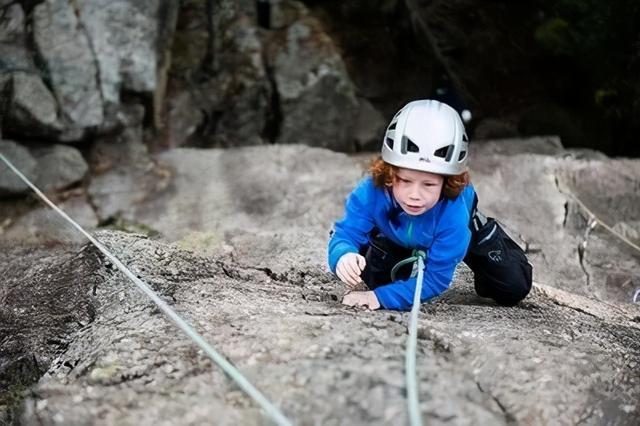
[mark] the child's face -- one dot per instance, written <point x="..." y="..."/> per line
<point x="416" y="191"/>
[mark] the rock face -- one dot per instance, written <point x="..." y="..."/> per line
<point x="244" y="88"/>
<point x="319" y="361"/>
<point x="123" y="38"/>
<point x="88" y="54"/>
<point x="317" y="97"/>
<point x="546" y="202"/>
<point x="531" y="186"/>
<point x="33" y="109"/>
<point x="233" y="84"/>
<point x="42" y="301"/>
<point x="65" y="47"/>
<point x="242" y="196"/>
<point x="287" y="84"/>
<point x="247" y="267"/>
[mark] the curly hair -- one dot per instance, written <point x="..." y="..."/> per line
<point x="384" y="175"/>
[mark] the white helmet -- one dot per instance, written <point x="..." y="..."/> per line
<point x="429" y="136"/>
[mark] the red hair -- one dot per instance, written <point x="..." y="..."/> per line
<point x="384" y="174"/>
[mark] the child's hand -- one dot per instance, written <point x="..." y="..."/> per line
<point x="362" y="298"/>
<point x="349" y="267"/>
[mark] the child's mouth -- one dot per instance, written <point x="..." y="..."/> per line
<point x="413" y="208"/>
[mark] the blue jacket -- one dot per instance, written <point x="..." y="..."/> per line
<point x="442" y="232"/>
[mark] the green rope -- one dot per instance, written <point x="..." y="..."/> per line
<point x="414" y="257"/>
<point x="415" y="418"/>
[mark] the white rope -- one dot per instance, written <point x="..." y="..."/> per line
<point x="415" y="418"/>
<point x="593" y="219"/>
<point x="244" y="384"/>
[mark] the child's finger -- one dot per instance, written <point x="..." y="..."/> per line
<point x="354" y="271"/>
<point x="340" y="273"/>
<point x="344" y="275"/>
<point x="362" y="262"/>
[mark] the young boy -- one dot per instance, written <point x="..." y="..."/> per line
<point x="418" y="196"/>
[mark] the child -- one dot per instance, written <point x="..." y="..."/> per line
<point x="417" y="197"/>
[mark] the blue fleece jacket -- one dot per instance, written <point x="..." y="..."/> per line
<point x="442" y="232"/>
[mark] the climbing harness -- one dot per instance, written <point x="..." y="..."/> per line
<point x="415" y="419"/>
<point x="228" y="368"/>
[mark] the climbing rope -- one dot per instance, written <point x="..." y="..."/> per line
<point x="415" y="418"/>
<point x="228" y="368"/>
<point x="593" y="219"/>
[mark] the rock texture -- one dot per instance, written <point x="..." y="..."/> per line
<point x="246" y="265"/>
<point x="49" y="167"/>
<point x="321" y="362"/>
<point x="33" y="109"/>
<point x="233" y="83"/>
<point x="531" y="186"/>
<point x="63" y="43"/>
<point x="59" y="166"/>
<point x="23" y="160"/>
<point x="123" y="38"/>
<point x="547" y="201"/>
<point x="317" y="97"/>
<point x="45" y="296"/>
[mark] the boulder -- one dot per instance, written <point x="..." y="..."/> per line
<point x="316" y="96"/>
<point x="64" y="45"/>
<point x="125" y="42"/>
<point x="20" y="157"/>
<point x="33" y="110"/>
<point x="12" y="22"/>
<point x="58" y="166"/>
<point x="43" y="226"/>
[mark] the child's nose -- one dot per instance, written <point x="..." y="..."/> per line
<point x="414" y="193"/>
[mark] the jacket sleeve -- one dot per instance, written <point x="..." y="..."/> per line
<point x="351" y="232"/>
<point x="448" y="249"/>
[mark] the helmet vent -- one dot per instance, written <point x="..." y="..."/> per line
<point x="445" y="152"/>
<point x="392" y="126"/>
<point x="389" y="142"/>
<point x="442" y="152"/>
<point x="412" y="147"/>
<point x="462" y="155"/>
